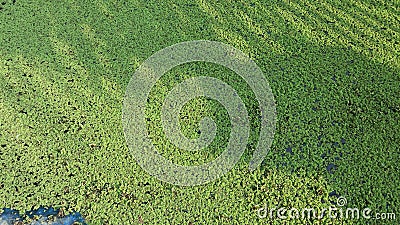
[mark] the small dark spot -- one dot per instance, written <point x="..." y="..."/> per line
<point x="394" y="108"/>
<point x="342" y="141"/>
<point x="323" y="155"/>
<point x="289" y="150"/>
<point x="211" y="196"/>
<point x="331" y="167"/>
<point x="140" y="220"/>
<point x="3" y="145"/>
<point x="333" y="193"/>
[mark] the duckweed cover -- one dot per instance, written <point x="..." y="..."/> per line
<point x="333" y="69"/>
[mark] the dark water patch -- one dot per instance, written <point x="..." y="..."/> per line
<point x="331" y="168"/>
<point x="290" y="150"/>
<point x="41" y="216"/>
